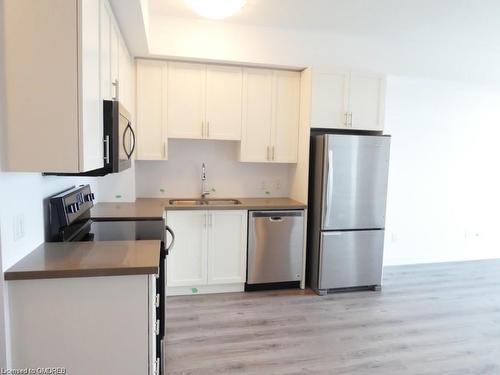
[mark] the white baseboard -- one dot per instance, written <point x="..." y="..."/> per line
<point x="204" y="289"/>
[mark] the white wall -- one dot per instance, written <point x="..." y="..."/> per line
<point x="444" y="182"/>
<point x="403" y="52"/>
<point x="180" y="176"/>
<point x="443" y="179"/>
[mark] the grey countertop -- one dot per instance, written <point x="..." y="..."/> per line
<point x="88" y="259"/>
<point x="153" y="208"/>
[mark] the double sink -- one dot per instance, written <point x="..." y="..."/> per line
<point x="204" y="202"/>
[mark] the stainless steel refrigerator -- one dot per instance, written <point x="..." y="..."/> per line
<point x="348" y="197"/>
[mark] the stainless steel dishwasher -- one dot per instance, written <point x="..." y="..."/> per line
<point x="275" y="247"/>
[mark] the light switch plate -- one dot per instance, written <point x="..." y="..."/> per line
<point x="18" y="227"/>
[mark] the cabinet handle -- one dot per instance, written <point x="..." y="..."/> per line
<point x="273" y="153"/>
<point x="267" y="154"/>
<point x="116" y="85"/>
<point x="206" y="221"/>
<point x="210" y="220"/>
<point x="350" y="119"/>
<point x="346" y="119"/>
<point x="164" y="150"/>
<point x="208" y="129"/>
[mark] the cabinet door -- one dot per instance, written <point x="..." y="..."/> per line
<point x="365" y="101"/>
<point x="285" y="131"/>
<point x="126" y="77"/>
<point x="329" y="100"/>
<point x="115" y="61"/>
<point x="186" y="100"/>
<point x="91" y="129"/>
<point x="187" y="262"/>
<point x="227" y="242"/>
<point x="257" y="115"/>
<point x="105" y="32"/>
<point x="223" y="98"/>
<point x="151" y="132"/>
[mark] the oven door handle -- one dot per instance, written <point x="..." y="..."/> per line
<point x="171" y="245"/>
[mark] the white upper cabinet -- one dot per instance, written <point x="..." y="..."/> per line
<point x="115" y="62"/>
<point x="366" y="93"/>
<point x="105" y="17"/>
<point x="347" y="100"/>
<point x="151" y="124"/>
<point x="257" y="115"/>
<point x="56" y="96"/>
<point x="285" y="132"/>
<point x="52" y="98"/>
<point x="204" y="101"/>
<point x="223" y="102"/>
<point x="185" y="100"/>
<point x="271" y="105"/>
<point x="329" y="100"/>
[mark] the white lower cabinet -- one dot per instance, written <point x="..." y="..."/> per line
<point x="209" y="253"/>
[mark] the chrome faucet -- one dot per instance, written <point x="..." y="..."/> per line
<point x="204" y="191"/>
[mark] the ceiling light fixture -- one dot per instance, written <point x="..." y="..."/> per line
<point x="216" y="9"/>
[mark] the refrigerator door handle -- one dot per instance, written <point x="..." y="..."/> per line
<point x="329" y="186"/>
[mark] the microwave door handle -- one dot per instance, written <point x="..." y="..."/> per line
<point x="133" y="140"/>
<point x="124" y="143"/>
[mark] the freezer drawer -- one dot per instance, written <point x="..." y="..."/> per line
<point x="351" y="259"/>
<point x="275" y="246"/>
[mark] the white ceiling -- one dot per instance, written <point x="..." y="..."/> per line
<point x="444" y="19"/>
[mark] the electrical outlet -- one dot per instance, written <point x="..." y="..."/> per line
<point x="277" y="185"/>
<point x="263" y="185"/>
<point x="18" y="227"/>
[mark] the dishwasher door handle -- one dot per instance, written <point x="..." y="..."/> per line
<point x="275" y="219"/>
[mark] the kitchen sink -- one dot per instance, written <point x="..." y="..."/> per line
<point x="204" y="202"/>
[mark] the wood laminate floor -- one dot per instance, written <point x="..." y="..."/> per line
<point x="437" y="319"/>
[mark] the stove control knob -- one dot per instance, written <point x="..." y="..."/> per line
<point x="89" y="197"/>
<point x="73" y="208"/>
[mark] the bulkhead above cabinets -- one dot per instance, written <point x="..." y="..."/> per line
<point x="185" y="100"/>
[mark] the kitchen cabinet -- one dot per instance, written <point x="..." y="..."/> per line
<point x="223" y="102"/>
<point x="109" y="322"/>
<point x="187" y="262"/>
<point x="204" y="101"/>
<point x="210" y="248"/>
<point x="116" y="75"/>
<point x="151" y="125"/>
<point x="285" y="132"/>
<point x="226" y="247"/>
<point x="366" y="98"/>
<point x="271" y="104"/>
<point x="347" y="100"/>
<point x="58" y="99"/>
<point x="185" y="90"/>
<point x="52" y="86"/>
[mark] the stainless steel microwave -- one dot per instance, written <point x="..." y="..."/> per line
<point x="119" y="137"/>
<point x="118" y="141"/>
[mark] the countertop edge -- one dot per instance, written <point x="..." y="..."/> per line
<point x="66" y="274"/>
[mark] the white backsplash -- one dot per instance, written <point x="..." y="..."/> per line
<point x="180" y="175"/>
